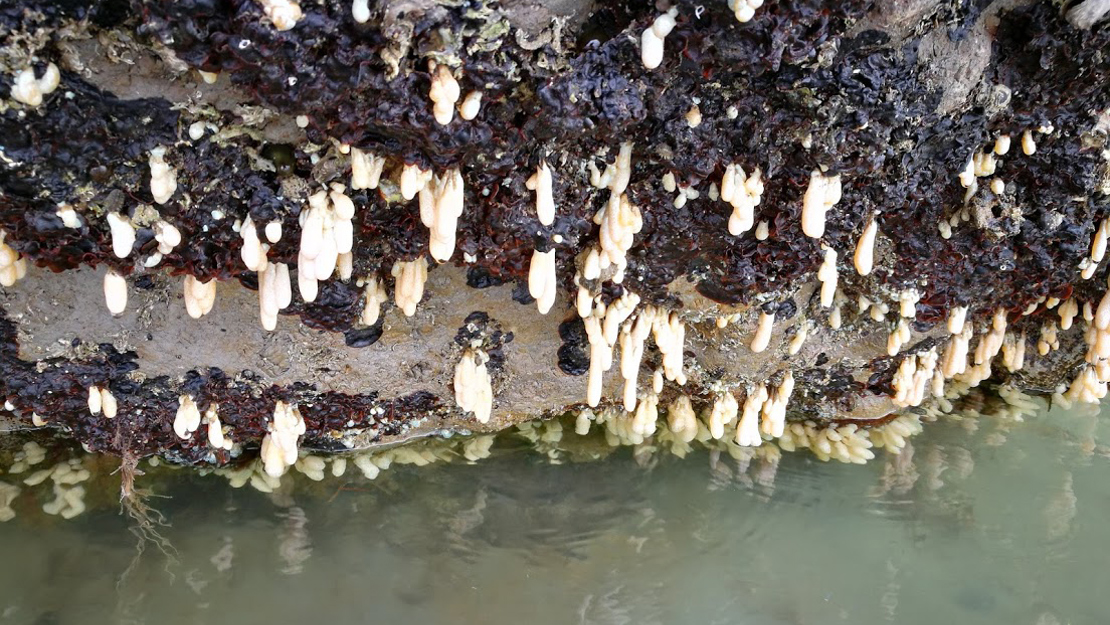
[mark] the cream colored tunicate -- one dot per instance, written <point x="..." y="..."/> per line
<point x="651" y="40"/>
<point x="444" y="93"/>
<point x="283" y="14"/>
<point x="115" y="292"/>
<point x="865" y="248"/>
<point x="822" y="194"/>
<point x="279" y="446"/>
<point x="473" y="385"/>
<point x="409" y="282"/>
<point x="163" y="178"/>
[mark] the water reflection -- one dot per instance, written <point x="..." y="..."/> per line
<point x="960" y="527"/>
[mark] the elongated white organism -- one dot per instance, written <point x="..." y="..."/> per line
<point x="601" y="355"/>
<point x="763" y="332"/>
<point x="762" y="230"/>
<point x="187" y="419"/>
<point x="681" y="419"/>
<point x="723" y="412"/>
<point x="441" y="205"/>
<point x="646" y="416"/>
<point x="822" y="194"/>
<point x="68" y="216"/>
<point x="907" y="303"/>
<point x="327" y="232"/>
<point x="163" y="178"/>
<point x="956" y="318"/>
<point x="799" y="338"/>
<point x="632" y="339"/>
<point x="375" y="296"/>
<point x="216" y="436"/>
<point x="95" y="403"/>
<point x="1002" y="145"/>
<point x="444" y="93"/>
<point x="123" y="234"/>
<point x="865" y="248"/>
<point x="253" y="251"/>
<point x="670" y="337"/>
<point x="747" y="431"/>
<point x="744" y="193"/>
<point x="275" y="292"/>
<point x="115" y="292"/>
<point x="1098" y="249"/>
<point x="651" y="40"/>
<point x="828" y="277"/>
<point x="899" y="337"/>
<point x="471" y="105"/>
<point x="1028" y="145"/>
<point x="1068" y="310"/>
<point x="279" y="446"/>
<point x="955" y="355"/>
<point x="541" y="183"/>
<point x="108" y="403"/>
<point x="1013" y="351"/>
<point x="774" y="408"/>
<point x="283" y="14"/>
<point x="542" y="281"/>
<point x="473" y="386"/>
<point x="413" y="179"/>
<point x="199" y="296"/>
<point x="366" y="169"/>
<point x="409" y="282"/>
<point x="983" y="164"/>
<point x="360" y="11"/>
<point x="620" y="222"/>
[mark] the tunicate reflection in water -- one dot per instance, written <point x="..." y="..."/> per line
<point x="979" y="520"/>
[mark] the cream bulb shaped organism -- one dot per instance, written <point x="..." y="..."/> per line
<point x="822" y="194"/>
<point x="651" y="40"/>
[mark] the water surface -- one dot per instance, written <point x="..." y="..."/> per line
<point x="979" y="521"/>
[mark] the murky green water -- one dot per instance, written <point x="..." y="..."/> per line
<point x="978" y="521"/>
